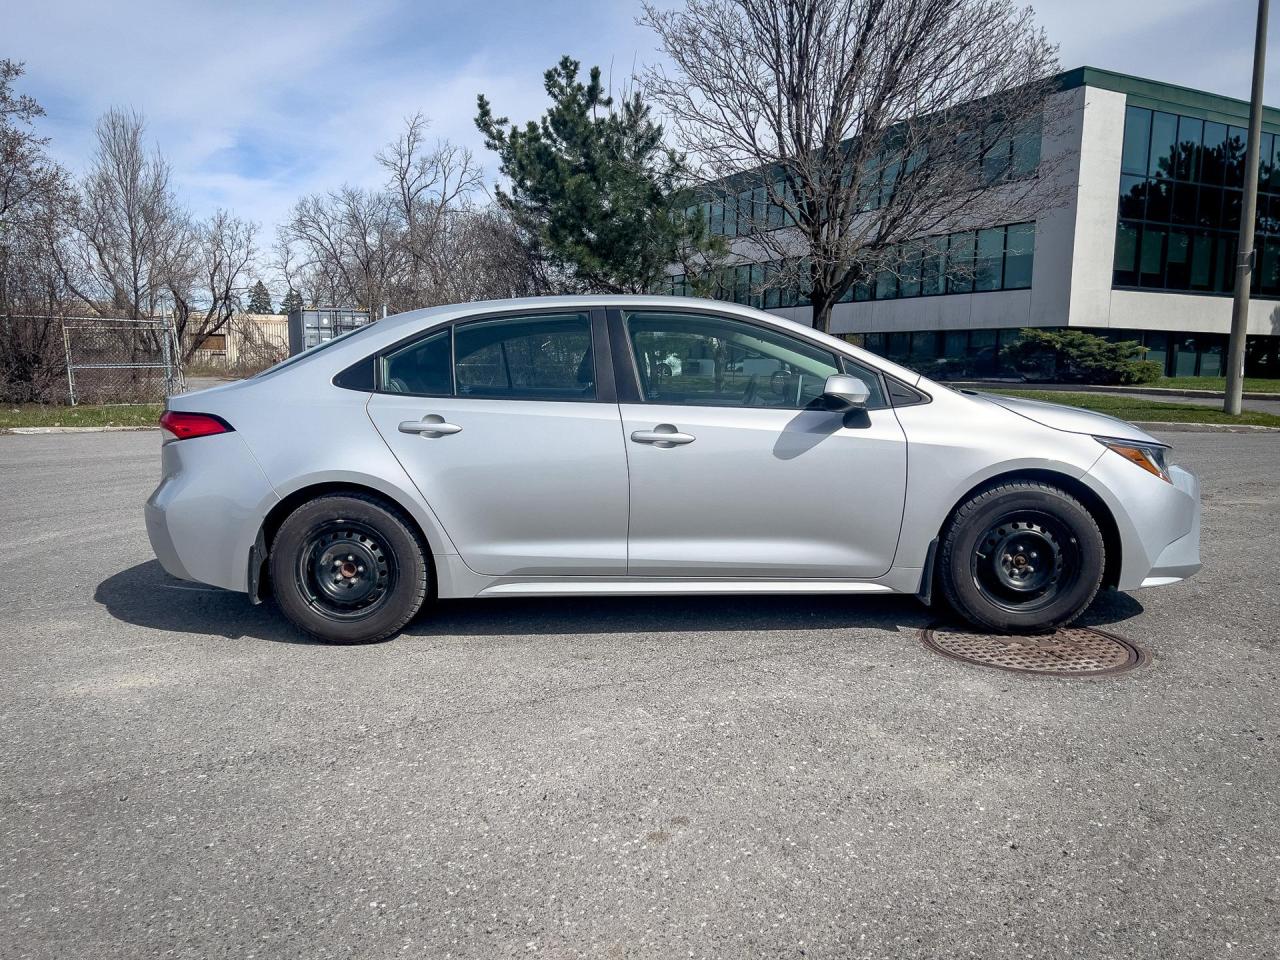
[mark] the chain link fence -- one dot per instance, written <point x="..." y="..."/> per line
<point x="46" y="359"/>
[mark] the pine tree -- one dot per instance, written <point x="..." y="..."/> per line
<point x="292" y="301"/>
<point x="260" y="299"/>
<point x="595" y="185"/>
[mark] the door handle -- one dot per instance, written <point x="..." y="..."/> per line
<point x="432" y="425"/>
<point x="663" y="435"/>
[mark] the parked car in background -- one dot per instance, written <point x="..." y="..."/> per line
<point x="580" y="446"/>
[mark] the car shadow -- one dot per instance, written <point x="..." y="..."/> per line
<point x="144" y="595"/>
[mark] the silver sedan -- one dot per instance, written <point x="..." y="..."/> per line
<point x="576" y="446"/>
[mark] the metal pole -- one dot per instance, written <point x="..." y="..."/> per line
<point x="71" y="375"/>
<point x="1248" y="213"/>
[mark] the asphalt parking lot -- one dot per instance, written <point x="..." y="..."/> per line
<point x="184" y="775"/>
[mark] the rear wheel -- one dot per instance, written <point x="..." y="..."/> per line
<point x="348" y="569"/>
<point x="1021" y="556"/>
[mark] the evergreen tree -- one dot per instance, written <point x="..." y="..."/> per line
<point x="292" y="301"/>
<point x="260" y="299"/>
<point x="595" y="186"/>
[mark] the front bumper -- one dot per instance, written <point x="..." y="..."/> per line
<point x="1181" y="557"/>
<point x="1158" y="522"/>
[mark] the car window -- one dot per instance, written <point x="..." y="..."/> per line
<point x="715" y="361"/>
<point x="544" y="357"/>
<point x="421" y="368"/>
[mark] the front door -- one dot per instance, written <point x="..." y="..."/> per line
<point x="510" y="443"/>
<point x="736" y="470"/>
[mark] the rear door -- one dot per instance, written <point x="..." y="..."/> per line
<point x="509" y="428"/>
<point x="736" y="468"/>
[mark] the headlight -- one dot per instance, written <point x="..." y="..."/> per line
<point x="1149" y="456"/>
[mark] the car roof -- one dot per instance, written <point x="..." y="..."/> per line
<point x="398" y="326"/>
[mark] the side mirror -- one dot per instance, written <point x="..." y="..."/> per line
<point x="843" y="392"/>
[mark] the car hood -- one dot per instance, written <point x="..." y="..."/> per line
<point x="1070" y="419"/>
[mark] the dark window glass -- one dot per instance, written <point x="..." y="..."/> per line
<point x="1019" y="255"/>
<point x="1274" y="185"/>
<point x="960" y="250"/>
<point x="996" y="154"/>
<point x="1237" y="148"/>
<point x="899" y="346"/>
<point x="421" y="368"/>
<point x="1159" y="200"/>
<point x="1210" y="207"/>
<point x="1201" y="262"/>
<point x="1269" y="268"/>
<point x="1178" y="260"/>
<point x="989" y="267"/>
<point x="731" y="215"/>
<point x="358" y="376"/>
<point x="1214" y="153"/>
<point x="909" y="282"/>
<point x="1126" y="255"/>
<point x="1164" y="138"/>
<point x="1157" y="345"/>
<point x="717" y="217"/>
<point x="1190" y="134"/>
<point x="1224" y="264"/>
<point x="1231" y="203"/>
<point x="1151" y="257"/>
<point x="1137" y="139"/>
<point x="1185" y="197"/>
<point x="933" y="269"/>
<point x="1026" y="150"/>
<point x="526" y="358"/>
<point x="1265" y="148"/>
<point x="719" y="362"/>
<point x="1133" y="197"/>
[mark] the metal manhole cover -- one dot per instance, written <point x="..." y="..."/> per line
<point x="1073" y="651"/>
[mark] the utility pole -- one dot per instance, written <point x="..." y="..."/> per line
<point x="1248" y="214"/>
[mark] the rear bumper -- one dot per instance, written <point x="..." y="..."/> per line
<point x="204" y="516"/>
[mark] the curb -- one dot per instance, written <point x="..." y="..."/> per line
<point x="40" y="431"/>
<point x="1180" y="427"/>
<point x="1099" y="388"/>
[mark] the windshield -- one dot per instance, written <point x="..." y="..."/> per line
<point x="323" y="345"/>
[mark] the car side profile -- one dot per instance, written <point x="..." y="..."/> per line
<point x="648" y="445"/>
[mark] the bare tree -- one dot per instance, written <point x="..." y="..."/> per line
<point x="420" y="240"/>
<point x="429" y="184"/>
<point x="135" y="234"/>
<point x="857" y="125"/>
<point x="209" y="284"/>
<point x="37" y="200"/>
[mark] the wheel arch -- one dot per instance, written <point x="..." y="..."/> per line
<point x="275" y="517"/>
<point x="1074" y="486"/>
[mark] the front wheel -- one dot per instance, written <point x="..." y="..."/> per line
<point x="348" y="569"/>
<point x="1021" y="556"/>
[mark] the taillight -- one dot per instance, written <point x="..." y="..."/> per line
<point x="183" y="426"/>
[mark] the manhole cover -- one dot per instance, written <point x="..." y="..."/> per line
<point x="1074" y="651"/>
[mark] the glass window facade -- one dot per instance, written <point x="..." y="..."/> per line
<point x="753" y="207"/>
<point x="998" y="258"/>
<point x="1181" y="189"/>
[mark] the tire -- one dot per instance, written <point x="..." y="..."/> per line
<point x="348" y="569"/>
<point x="1021" y="556"/>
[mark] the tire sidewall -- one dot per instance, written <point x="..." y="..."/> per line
<point x="962" y="542"/>
<point x="402" y="601"/>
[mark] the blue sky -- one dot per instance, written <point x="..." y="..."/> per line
<point x="256" y="104"/>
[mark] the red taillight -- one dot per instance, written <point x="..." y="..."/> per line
<point x="184" y="426"/>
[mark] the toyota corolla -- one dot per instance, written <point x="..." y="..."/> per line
<point x="575" y="446"/>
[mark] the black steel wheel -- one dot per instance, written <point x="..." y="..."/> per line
<point x="1021" y="556"/>
<point x="348" y="569"/>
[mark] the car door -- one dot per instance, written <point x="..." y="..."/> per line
<point x="737" y="469"/>
<point x="509" y="428"/>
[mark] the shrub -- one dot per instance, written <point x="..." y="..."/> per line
<point x="1072" y="356"/>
